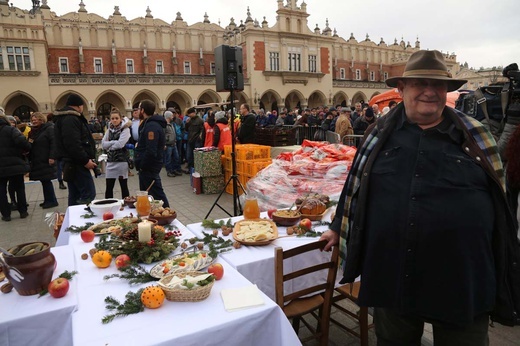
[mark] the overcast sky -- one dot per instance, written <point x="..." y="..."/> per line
<point x="484" y="34"/>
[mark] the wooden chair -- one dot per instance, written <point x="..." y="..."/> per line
<point x="351" y="292"/>
<point x="317" y="297"/>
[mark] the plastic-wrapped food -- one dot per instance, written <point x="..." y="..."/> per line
<point x="317" y="167"/>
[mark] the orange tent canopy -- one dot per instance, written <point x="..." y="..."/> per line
<point x="382" y="100"/>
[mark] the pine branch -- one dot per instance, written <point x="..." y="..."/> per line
<point x="135" y="274"/>
<point x="131" y="305"/>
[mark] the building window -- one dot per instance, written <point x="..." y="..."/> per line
<point x="312" y="63"/>
<point x="372" y="76"/>
<point x="159" y="67"/>
<point x="358" y="74"/>
<point x="294" y="62"/>
<point x="212" y="68"/>
<point x="341" y="73"/>
<point x="187" y="67"/>
<point x="385" y="76"/>
<point x="18" y="58"/>
<point x="1" y="59"/>
<point x="274" y="61"/>
<point x="129" y="65"/>
<point x="64" y="65"/>
<point x="98" y="65"/>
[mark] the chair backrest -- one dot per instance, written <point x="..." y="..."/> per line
<point x="280" y="277"/>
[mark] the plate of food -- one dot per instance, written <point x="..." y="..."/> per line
<point x="188" y="261"/>
<point x="114" y="226"/>
<point x="313" y="207"/>
<point x="255" y="232"/>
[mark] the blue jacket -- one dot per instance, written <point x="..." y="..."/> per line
<point x="150" y="146"/>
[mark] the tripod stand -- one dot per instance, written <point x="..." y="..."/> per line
<point x="237" y="207"/>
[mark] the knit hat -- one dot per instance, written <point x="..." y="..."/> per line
<point x="74" y="100"/>
<point x="220" y="115"/>
<point x="369" y="112"/>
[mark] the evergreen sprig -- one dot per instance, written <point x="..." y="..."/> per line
<point x="131" y="305"/>
<point x="78" y="229"/>
<point x="135" y="274"/>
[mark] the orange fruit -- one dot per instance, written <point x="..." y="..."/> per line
<point x="152" y="297"/>
<point x="102" y="259"/>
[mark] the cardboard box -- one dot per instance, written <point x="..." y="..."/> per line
<point x="213" y="184"/>
<point x="208" y="163"/>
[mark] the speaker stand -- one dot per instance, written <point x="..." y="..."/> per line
<point x="237" y="207"/>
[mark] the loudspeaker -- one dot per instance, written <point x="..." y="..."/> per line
<point x="228" y="68"/>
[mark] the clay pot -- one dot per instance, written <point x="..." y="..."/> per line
<point x="36" y="268"/>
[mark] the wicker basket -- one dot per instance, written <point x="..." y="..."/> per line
<point x="185" y="295"/>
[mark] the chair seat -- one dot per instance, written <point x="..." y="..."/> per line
<point x="301" y="306"/>
<point x="350" y="290"/>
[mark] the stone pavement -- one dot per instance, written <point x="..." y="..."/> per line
<point x="191" y="208"/>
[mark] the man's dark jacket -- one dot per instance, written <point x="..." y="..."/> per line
<point x="12" y="146"/>
<point x="506" y="248"/>
<point x="246" y="131"/>
<point x="150" y="146"/>
<point x="74" y="142"/>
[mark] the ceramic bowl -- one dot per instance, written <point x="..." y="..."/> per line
<point x="101" y="206"/>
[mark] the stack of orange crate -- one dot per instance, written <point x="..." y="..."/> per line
<point x="251" y="158"/>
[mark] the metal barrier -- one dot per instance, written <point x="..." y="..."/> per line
<point x="351" y="140"/>
<point x="332" y="137"/>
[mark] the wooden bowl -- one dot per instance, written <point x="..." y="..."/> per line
<point x="283" y="220"/>
<point x="129" y="202"/>
<point x="163" y="220"/>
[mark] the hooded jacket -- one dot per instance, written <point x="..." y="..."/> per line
<point x="150" y="147"/>
<point x="12" y="146"/>
<point x="74" y="142"/>
<point x="42" y="149"/>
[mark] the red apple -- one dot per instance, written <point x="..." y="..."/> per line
<point x="108" y="216"/>
<point x="270" y="212"/>
<point x="217" y="270"/>
<point x="58" y="287"/>
<point x="122" y="261"/>
<point x="306" y="224"/>
<point x="88" y="235"/>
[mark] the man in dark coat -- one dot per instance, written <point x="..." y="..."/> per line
<point x="13" y="166"/>
<point x="149" y="151"/>
<point x="76" y="147"/>
<point x="246" y="132"/>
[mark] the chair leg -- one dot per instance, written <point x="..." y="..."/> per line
<point x="363" y="325"/>
<point x="296" y="324"/>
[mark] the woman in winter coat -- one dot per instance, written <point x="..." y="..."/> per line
<point x="114" y="143"/>
<point x="13" y="166"/>
<point x="42" y="157"/>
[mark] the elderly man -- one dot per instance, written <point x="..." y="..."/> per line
<point x="343" y="124"/>
<point x="76" y="147"/>
<point x="423" y="218"/>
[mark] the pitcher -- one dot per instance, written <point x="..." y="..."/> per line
<point x="251" y="209"/>
<point x="142" y="205"/>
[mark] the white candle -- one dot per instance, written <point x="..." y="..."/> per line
<point x="145" y="231"/>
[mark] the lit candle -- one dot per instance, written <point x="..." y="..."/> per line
<point x="145" y="231"/>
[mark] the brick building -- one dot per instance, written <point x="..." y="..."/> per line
<point x="118" y="62"/>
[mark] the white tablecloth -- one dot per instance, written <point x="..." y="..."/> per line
<point x="200" y="323"/>
<point x="29" y="320"/>
<point x="256" y="263"/>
